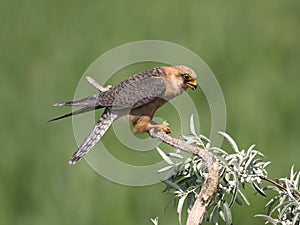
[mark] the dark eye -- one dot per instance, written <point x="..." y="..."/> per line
<point x="186" y="76"/>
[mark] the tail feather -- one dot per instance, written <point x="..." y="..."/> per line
<point x="79" y="111"/>
<point x="90" y="101"/>
<point x="99" y="130"/>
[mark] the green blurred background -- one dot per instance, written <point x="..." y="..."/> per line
<point x="45" y="46"/>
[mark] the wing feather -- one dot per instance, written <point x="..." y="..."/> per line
<point x="133" y="92"/>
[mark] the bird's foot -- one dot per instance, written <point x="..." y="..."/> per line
<point x="161" y="128"/>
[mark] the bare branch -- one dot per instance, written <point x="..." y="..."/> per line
<point x="207" y="193"/>
<point x="279" y="186"/>
<point x="96" y="85"/>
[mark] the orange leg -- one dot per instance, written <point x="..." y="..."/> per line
<point x="160" y="127"/>
<point x="145" y="124"/>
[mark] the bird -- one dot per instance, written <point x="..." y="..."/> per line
<point x="136" y="98"/>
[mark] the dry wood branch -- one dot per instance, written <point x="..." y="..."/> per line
<point x="207" y="193"/>
<point x="96" y="85"/>
<point x="279" y="186"/>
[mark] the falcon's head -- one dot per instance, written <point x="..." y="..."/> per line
<point x="188" y="77"/>
<point x="181" y="77"/>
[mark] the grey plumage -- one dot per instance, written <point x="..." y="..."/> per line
<point x="136" y="91"/>
<point x="137" y="97"/>
<point x="132" y="92"/>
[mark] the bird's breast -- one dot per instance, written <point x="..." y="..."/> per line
<point x="172" y="90"/>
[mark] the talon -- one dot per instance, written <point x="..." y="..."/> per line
<point x="164" y="129"/>
<point x="168" y="130"/>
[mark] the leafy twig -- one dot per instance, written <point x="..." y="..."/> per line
<point x="209" y="188"/>
<point x="279" y="186"/>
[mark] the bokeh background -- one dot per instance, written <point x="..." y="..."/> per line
<point x="45" y="46"/>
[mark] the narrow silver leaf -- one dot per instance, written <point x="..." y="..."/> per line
<point x="227" y="213"/>
<point x="170" y="173"/>
<point x="296" y="183"/>
<point x="231" y="141"/>
<point x="289" y="190"/>
<point x="180" y="206"/>
<point x="164" y="156"/>
<point x="292" y="173"/>
<point x="204" y="138"/>
<point x="215" y="215"/>
<point x="296" y="219"/>
<point x="155" y="221"/>
<point x="175" y="155"/>
<point x="192" y="125"/>
<point x="164" y="169"/>
<point x="258" y="189"/>
<point x="170" y="183"/>
<point x="267" y="218"/>
<point x="244" y="197"/>
<point x="250" y="160"/>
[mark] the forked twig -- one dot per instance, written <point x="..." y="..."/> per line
<point x="96" y="85"/>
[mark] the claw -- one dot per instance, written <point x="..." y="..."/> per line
<point x="161" y="128"/>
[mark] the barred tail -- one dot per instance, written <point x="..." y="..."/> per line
<point x="99" y="130"/>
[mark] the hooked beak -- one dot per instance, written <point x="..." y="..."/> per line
<point x="192" y="84"/>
